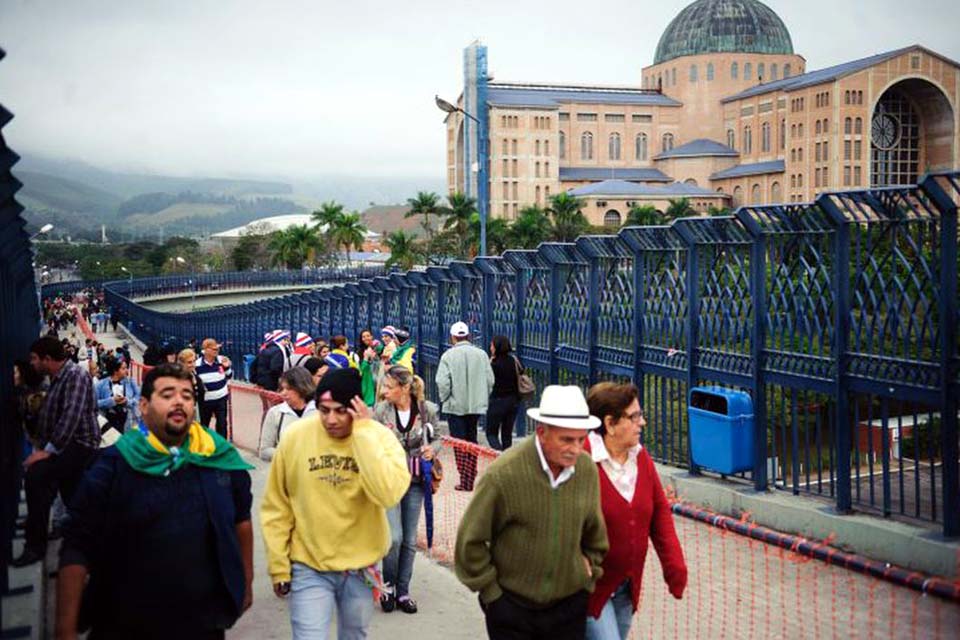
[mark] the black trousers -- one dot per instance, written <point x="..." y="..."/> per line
<point x="60" y="472"/>
<point x="509" y="618"/>
<point x="465" y="428"/>
<point x="501" y="414"/>
<point x="215" y="409"/>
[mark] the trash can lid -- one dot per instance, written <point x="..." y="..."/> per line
<point x="738" y="402"/>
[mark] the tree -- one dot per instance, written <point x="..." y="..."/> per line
<point x="644" y="216"/>
<point x="328" y="214"/>
<point x="248" y="252"/>
<point x="713" y="210"/>
<point x="426" y="204"/>
<point x="404" y="250"/>
<point x="458" y="212"/>
<point x="568" y="221"/>
<point x="293" y="246"/>
<point x="348" y="231"/>
<point x="498" y="235"/>
<point x="530" y="228"/>
<point x="680" y="208"/>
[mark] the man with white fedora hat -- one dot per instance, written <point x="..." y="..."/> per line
<point x="533" y="537"/>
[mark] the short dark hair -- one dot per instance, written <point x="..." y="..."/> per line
<point x="312" y="365"/>
<point x="165" y="370"/>
<point x="299" y="380"/>
<point x="48" y="346"/>
<point x="338" y="342"/>
<point x="610" y="399"/>
<point x="111" y="365"/>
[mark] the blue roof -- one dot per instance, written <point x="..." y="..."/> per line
<point x="811" y="78"/>
<point x="755" y="169"/>
<point x="598" y="173"/>
<point x="532" y="95"/>
<point x="624" y="188"/>
<point x="697" y="148"/>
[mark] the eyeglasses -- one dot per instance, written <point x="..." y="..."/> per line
<point x="634" y="417"/>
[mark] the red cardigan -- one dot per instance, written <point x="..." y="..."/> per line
<point x="629" y="527"/>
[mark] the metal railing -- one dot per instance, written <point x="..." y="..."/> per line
<point x="839" y="317"/>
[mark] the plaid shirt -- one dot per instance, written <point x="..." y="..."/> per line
<point x="69" y="413"/>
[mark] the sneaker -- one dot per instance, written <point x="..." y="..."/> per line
<point x="28" y="557"/>
<point x="407" y="604"/>
<point x="387" y="603"/>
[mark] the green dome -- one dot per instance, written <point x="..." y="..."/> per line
<point x="734" y="26"/>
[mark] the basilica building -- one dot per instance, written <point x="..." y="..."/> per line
<point x="727" y="115"/>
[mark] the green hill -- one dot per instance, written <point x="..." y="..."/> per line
<point x="66" y="196"/>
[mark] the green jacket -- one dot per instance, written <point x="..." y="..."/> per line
<point x="520" y="535"/>
<point x="464" y="380"/>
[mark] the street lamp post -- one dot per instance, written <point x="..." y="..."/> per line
<point x="193" y="285"/>
<point x="129" y="275"/>
<point x="482" y="181"/>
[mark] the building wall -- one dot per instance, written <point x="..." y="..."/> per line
<point x="695" y="170"/>
<point x="596" y="207"/>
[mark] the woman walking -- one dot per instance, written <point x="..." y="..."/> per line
<point x="405" y="412"/>
<point x="296" y="389"/>
<point x="635" y="511"/>
<point x="505" y="397"/>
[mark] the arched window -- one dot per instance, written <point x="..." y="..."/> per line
<point x="562" y="140"/>
<point x="737" y="197"/>
<point x="611" y="218"/>
<point x="747" y="71"/>
<point x="546" y="192"/>
<point x="858" y="126"/>
<point x="586" y="146"/>
<point x="773" y="71"/>
<point x="613" y="146"/>
<point x="747" y="140"/>
<point x="826" y="126"/>
<point x="734" y="70"/>
<point x="783" y="133"/>
<point x="693" y="73"/>
<point x="667" y="142"/>
<point x="800" y="180"/>
<point x="641" y="143"/>
<point x="690" y="181"/>
<point x="793" y="181"/>
<point x="775" y="196"/>
<point x="506" y="146"/>
<point x="800" y="129"/>
<point x="755" y="194"/>
<point x="537" y="147"/>
<point x="819" y="128"/>
<point x="536" y="173"/>
<point x="731" y="139"/>
<point x="848" y="126"/>
<point x="546" y="147"/>
<point x="709" y="71"/>
<point x="537" y="194"/>
<point x="765" y="137"/>
<point x="546" y="169"/>
<point x="786" y="70"/>
<point x="761" y="68"/>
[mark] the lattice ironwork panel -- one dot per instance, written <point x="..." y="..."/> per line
<point x="726" y="306"/>
<point x="376" y="306"/>
<point x="473" y="314"/>
<point x="428" y="367"/>
<point x="451" y="305"/>
<point x="573" y="313"/>
<point x="536" y="308"/>
<point x="606" y="376"/>
<point x="363" y="317"/>
<point x="336" y="316"/>
<point x="616" y="301"/>
<point x="894" y="315"/>
<point x="568" y="377"/>
<point x="665" y="308"/>
<point x="504" y="320"/>
<point x="430" y="317"/>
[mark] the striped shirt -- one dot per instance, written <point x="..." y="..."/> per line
<point x="69" y="412"/>
<point x="214" y="377"/>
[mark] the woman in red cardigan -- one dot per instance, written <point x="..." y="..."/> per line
<point x="635" y="510"/>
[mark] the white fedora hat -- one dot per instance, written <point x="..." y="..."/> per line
<point x="564" y="407"/>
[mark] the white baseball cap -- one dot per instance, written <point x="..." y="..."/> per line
<point x="459" y="330"/>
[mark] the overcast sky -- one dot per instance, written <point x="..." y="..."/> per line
<point x="303" y="88"/>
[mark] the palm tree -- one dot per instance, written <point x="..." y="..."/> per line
<point x="328" y="214"/>
<point x="680" y="209"/>
<point x="714" y="210"/>
<point x="498" y="235"/>
<point x="427" y="203"/>
<point x="530" y="228"/>
<point x="644" y="215"/>
<point x="404" y="250"/>
<point x="568" y="221"/>
<point x="458" y="212"/>
<point x="348" y="231"/>
<point x="293" y="246"/>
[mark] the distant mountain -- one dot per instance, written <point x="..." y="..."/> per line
<point x="62" y="194"/>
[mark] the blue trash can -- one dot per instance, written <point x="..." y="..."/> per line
<point x="247" y="361"/>
<point x="721" y="429"/>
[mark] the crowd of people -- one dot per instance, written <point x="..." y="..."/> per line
<point x="554" y="538"/>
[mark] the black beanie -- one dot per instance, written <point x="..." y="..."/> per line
<point x="403" y="334"/>
<point x="343" y="385"/>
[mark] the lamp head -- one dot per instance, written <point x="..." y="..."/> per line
<point x="443" y="105"/>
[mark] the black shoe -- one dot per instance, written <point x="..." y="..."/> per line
<point x="387" y="603"/>
<point x="28" y="557"/>
<point x="407" y="605"/>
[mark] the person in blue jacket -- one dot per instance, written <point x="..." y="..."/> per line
<point x="117" y="396"/>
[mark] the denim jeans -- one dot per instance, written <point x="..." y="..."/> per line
<point x="313" y="596"/>
<point x="404" y="518"/>
<point x="615" y="618"/>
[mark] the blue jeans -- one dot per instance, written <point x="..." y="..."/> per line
<point x="313" y="596"/>
<point x="615" y="618"/>
<point x="403" y="518"/>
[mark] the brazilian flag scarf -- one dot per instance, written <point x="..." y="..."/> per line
<point x="204" y="448"/>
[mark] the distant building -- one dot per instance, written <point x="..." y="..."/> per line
<point x="726" y="115"/>
<point x="228" y="239"/>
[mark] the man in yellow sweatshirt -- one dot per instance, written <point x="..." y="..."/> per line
<point x="333" y="476"/>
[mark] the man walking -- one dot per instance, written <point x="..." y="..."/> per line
<point x="464" y="382"/>
<point x="333" y="476"/>
<point x="70" y="434"/>
<point x="533" y="537"/>
<point x="214" y="371"/>
<point x="161" y="524"/>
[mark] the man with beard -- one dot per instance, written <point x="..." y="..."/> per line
<point x="161" y="524"/>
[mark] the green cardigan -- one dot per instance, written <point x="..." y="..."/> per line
<point x="520" y="535"/>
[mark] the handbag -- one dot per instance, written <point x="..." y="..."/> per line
<point x="436" y="476"/>
<point x="525" y="386"/>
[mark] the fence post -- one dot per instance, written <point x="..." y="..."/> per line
<point x="593" y="293"/>
<point x="693" y="333"/>
<point x="554" y="312"/>
<point x="758" y="278"/>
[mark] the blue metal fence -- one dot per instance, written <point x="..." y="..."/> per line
<point x="839" y="317"/>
